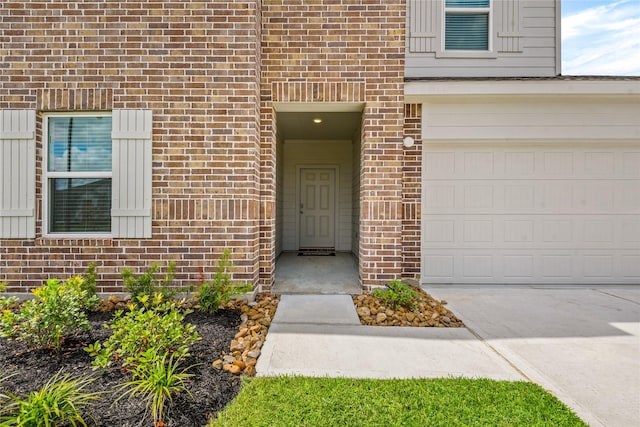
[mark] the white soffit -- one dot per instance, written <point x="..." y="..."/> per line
<point x="316" y="107"/>
<point x="428" y="91"/>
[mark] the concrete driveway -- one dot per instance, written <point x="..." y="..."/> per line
<point x="582" y="344"/>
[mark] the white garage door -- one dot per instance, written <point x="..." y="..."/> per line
<point x="559" y="212"/>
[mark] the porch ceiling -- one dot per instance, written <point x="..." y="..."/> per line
<point x="334" y="126"/>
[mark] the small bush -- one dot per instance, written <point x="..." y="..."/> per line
<point x="6" y="302"/>
<point x="397" y="294"/>
<point x="144" y="332"/>
<point x="57" y="310"/>
<point x="88" y="285"/>
<point x="157" y="382"/>
<point x="148" y="283"/>
<point x="60" y="401"/>
<point x="220" y="289"/>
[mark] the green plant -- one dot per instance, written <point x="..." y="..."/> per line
<point x="157" y="382"/>
<point x="220" y="289"/>
<point x="61" y="400"/>
<point x="397" y="294"/>
<point x="88" y="285"/>
<point x="144" y="330"/>
<point x="58" y="309"/>
<point x="6" y="302"/>
<point x="3" y="397"/>
<point x="148" y="283"/>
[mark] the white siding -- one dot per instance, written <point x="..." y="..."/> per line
<point x="531" y="118"/>
<point x="355" y="198"/>
<point x="131" y="186"/>
<point x="524" y="39"/>
<point x="316" y="154"/>
<point x="279" y="195"/>
<point x="17" y="173"/>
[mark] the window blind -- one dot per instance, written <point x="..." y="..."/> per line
<point x="466" y="31"/>
<point x="79" y="165"/>
<point x="467" y="3"/>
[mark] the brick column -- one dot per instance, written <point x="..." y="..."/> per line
<point x="412" y="192"/>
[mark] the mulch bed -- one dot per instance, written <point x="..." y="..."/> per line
<point x="429" y="312"/>
<point x="211" y="389"/>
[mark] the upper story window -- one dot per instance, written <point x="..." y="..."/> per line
<point x="467" y="25"/>
<point x="77" y="174"/>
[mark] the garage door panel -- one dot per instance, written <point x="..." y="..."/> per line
<point x="531" y="231"/>
<point x="549" y="213"/>
<point x="631" y="164"/>
<point x="630" y="230"/>
<point x="533" y="197"/>
<point x="518" y="267"/>
<point x="561" y="266"/>
<point x="631" y="266"/>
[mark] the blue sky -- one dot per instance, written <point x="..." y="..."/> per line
<point x="601" y="37"/>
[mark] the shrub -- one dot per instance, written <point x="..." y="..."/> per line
<point x="397" y="294"/>
<point x="148" y="283"/>
<point x="57" y="310"/>
<point x="61" y="400"/>
<point x="220" y="289"/>
<point x="6" y="302"/>
<point x="144" y="332"/>
<point x="89" y="285"/>
<point x="157" y="382"/>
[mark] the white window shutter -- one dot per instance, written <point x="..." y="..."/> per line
<point x="17" y="174"/>
<point x="131" y="182"/>
<point x="424" y="18"/>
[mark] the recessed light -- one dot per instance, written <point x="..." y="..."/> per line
<point x="317" y="120"/>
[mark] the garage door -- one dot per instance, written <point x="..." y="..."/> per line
<point x="549" y="213"/>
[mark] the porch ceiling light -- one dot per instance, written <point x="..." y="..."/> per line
<point x="317" y="120"/>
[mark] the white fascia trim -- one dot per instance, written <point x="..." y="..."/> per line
<point x="425" y="91"/>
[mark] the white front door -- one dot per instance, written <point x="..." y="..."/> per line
<point x="317" y="208"/>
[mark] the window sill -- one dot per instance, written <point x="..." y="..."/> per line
<point x="467" y="54"/>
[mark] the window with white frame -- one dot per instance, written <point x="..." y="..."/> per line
<point x="467" y="25"/>
<point x="96" y="174"/>
<point x="77" y="174"/>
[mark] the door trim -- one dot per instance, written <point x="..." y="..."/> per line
<point x="336" y="194"/>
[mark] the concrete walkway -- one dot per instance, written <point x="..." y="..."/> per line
<point x="581" y="344"/>
<point x="320" y="335"/>
<point x="316" y="274"/>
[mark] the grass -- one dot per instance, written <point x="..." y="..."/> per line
<point x="314" y="402"/>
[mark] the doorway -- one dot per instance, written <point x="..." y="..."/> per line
<point x="317" y="208"/>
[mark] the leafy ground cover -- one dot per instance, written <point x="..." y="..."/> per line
<point x="300" y="401"/>
<point x="211" y="390"/>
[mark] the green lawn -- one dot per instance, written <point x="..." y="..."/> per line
<point x="311" y="402"/>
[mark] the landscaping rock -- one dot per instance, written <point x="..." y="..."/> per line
<point x="428" y="312"/>
<point x="234" y="369"/>
<point x="363" y="311"/>
<point x="256" y="319"/>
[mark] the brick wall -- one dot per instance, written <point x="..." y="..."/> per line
<point x="411" y="192"/>
<point x="347" y="51"/>
<point x="195" y="64"/>
<point x="200" y="67"/>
